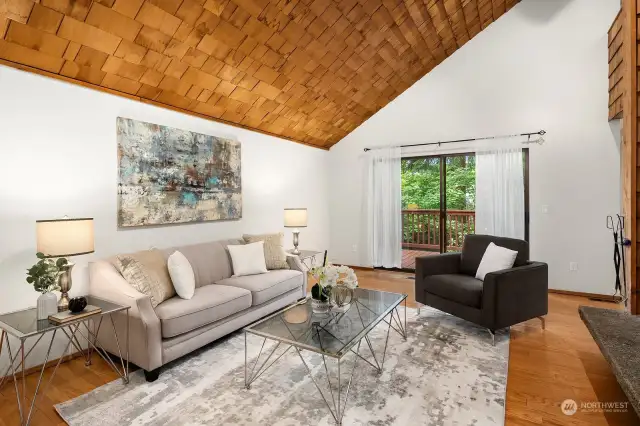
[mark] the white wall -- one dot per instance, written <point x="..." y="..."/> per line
<point x="541" y="66"/>
<point x="59" y="157"/>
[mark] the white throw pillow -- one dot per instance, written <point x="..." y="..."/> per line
<point x="181" y="272"/>
<point x="248" y="259"/>
<point x="495" y="258"/>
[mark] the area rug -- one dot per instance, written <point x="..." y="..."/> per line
<point x="446" y="373"/>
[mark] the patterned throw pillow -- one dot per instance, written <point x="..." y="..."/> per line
<point x="147" y="272"/>
<point x="274" y="255"/>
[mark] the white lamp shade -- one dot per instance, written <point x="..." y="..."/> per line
<point x="295" y="218"/>
<point x="65" y="237"/>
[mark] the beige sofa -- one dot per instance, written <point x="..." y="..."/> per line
<point x="221" y="304"/>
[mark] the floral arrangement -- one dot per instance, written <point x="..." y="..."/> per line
<point x="330" y="276"/>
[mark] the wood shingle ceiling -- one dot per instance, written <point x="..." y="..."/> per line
<point x="306" y="70"/>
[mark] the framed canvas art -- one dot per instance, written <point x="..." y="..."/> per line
<point x="170" y="176"/>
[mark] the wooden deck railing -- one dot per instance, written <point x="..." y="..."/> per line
<point x="421" y="228"/>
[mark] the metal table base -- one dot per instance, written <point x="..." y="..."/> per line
<point x="335" y="401"/>
<point x="17" y="358"/>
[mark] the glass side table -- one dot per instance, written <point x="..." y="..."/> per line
<point x="24" y="326"/>
<point x="308" y="257"/>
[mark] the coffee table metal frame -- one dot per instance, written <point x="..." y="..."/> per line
<point x="334" y="402"/>
<point x="71" y="330"/>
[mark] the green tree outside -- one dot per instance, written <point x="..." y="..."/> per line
<point x="421" y="190"/>
<point x="421" y="182"/>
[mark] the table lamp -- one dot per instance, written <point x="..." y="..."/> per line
<point x="63" y="238"/>
<point x="295" y="218"/>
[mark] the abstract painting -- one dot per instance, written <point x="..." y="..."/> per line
<point x="168" y="176"/>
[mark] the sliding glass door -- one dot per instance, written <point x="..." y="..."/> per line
<point x="439" y="204"/>
<point x="421" y="208"/>
<point x="460" y="199"/>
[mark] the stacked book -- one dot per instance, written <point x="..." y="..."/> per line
<point x="68" y="316"/>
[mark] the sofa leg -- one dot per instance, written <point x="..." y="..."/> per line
<point x="493" y="336"/>
<point x="152" y="375"/>
<point x="543" y="321"/>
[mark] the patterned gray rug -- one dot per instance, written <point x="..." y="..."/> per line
<point x="446" y="373"/>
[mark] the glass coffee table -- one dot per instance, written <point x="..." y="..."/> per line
<point x="332" y="335"/>
<point x="25" y="326"/>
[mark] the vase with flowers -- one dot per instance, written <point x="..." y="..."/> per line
<point x="334" y="286"/>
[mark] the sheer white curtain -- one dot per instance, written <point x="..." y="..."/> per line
<point x="385" y="207"/>
<point x="500" y="193"/>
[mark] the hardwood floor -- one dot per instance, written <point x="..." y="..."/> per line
<point x="545" y="368"/>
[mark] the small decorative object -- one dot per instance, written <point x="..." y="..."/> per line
<point x="320" y="299"/>
<point x="341" y="297"/>
<point x="62" y="238"/>
<point x="295" y="218"/>
<point x="169" y="176"/>
<point x="336" y="284"/>
<point x="77" y="304"/>
<point x="44" y="278"/>
<point x="343" y="293"/>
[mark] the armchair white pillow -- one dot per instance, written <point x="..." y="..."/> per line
<point x="182" y="276"/>
<point x="495" y="258"/>
<point x="248" y="259"/>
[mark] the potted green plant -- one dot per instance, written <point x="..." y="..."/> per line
<point x="44" y="278"/>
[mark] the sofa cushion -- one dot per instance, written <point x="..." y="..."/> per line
<point x="461" y="289"/>
<point x="264" y="287"/>
<point x="147" y="272"/>
<point x="474" y="247"/>
<point x="274" y="254"/>
<point x="496" y="258"/>
<point x="184" y="281"/>
<point x="209" y="303"/>
<point x="248" y="259"/>
<point x="210" y="261"/>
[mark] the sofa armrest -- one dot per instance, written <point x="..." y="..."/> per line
<point x="515" y="295"/>
<point x="145" y="338"/>
<point x="296" y="264"/>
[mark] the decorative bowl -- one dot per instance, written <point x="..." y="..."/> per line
<point x="77" y="304"/>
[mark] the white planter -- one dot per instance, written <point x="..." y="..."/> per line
<point x="319" y="307"/>
<point x="47" y="305"/>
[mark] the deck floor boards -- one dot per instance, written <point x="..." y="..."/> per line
<point x="409" y="257"/>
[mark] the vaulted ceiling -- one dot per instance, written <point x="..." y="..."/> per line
<point x="306" y="70"/>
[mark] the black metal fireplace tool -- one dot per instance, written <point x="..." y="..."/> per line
<point x="619" y="242"/>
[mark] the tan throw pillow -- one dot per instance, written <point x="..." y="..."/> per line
<point x="274" y="255"/>
<point x="147" y="272"/>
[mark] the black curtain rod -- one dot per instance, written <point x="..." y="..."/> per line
<point x="541" y="133"/>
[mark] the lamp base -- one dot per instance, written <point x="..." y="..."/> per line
<point x="296" y="234"/>
<point x="64" y="281"/>
<point x="63" y="303"/>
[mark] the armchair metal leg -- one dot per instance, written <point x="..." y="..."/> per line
<point x="493" y="336"/>
<point x="543" y="321"/>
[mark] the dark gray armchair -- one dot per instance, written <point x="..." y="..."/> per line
<point x="447" y="282"/>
